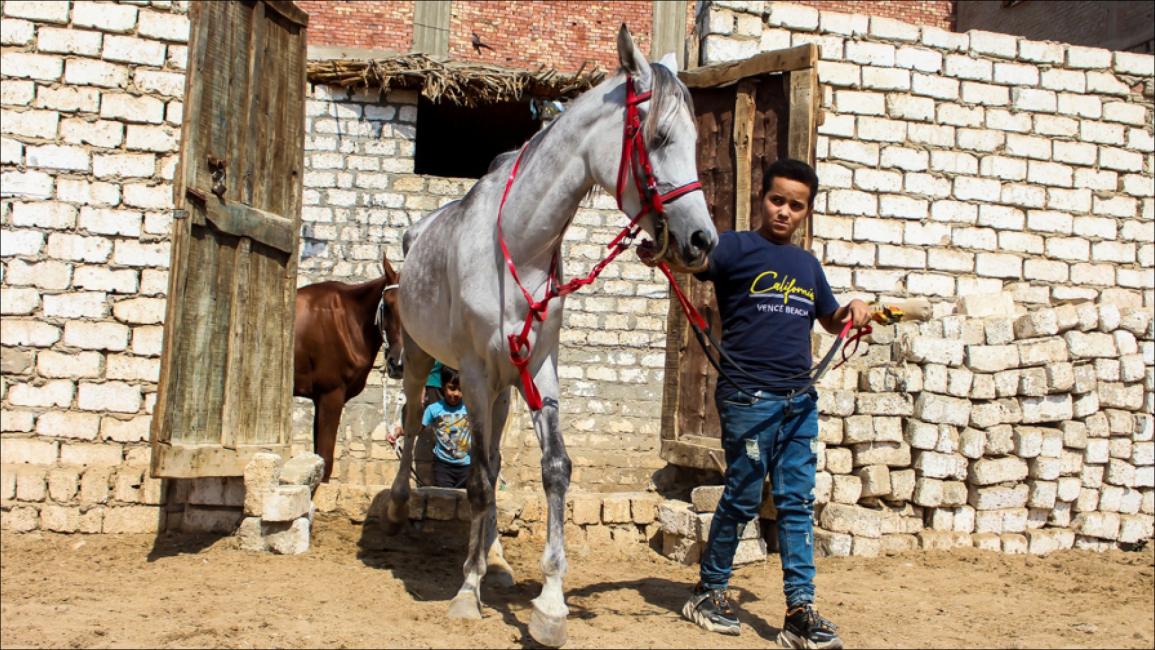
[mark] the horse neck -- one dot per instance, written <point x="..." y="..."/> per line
<point x="366" y="297"/>
<point x="557" y="169"/>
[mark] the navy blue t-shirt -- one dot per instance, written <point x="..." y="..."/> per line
<point x="769" y="296"/>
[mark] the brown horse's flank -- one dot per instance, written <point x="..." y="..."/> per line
<point x="336" y="339"/>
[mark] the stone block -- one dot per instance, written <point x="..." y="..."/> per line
<point x="928" y="492"/>
<point x="286" y="503"/>
<point x="998" y="305"/>
<point x="831" y="544"/>
<point x="1104" y="525"/>
<point x="846" y="488"/>
<point x="972" y="442"/>
<point x="1090" y="345"/>
<point x="993" y="471"/>
<point x="616" y="510"/>
<point x="1135" y="528"/>
<point x="705" y="498"/>
<point x="304" y="469"/>
<point x="686" y="550"/>
<point x="287" y="538"/>
<point x="954" y="493"/>
<point x="851" y="519"/>
<point x="249" y="535"/>
<point x="678" y="518"/>
<point x="893" y="454"/>
<point x="999" y="440"/>
<point x="839" y="460"/>
<point x="937" y="465"/>
<point x="998" y="498"/>
<point x="941" y="409"/>
<point x="875" y="480"/>
<point x="262" y="473"/>
<point x="644" y="508"/>
<point x="440" y="503"/>
<point x="1049" y="408"/>
<point x="992" y="358"/>
<point x="925" y="349"/>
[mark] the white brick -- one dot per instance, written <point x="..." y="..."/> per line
<point x="976" y="238"/>
<point x="44" y="214"/>
<point x="966" y="187"/>
<point x="128" y="49"/>
<point x="910" y="108"/>
<point x="1072" y="200"/>
<point x="878" y="54"/>
<point x="998" y="265"/>
<point x="885" y="78"/>
<point x="132" y="253"/>
<point x="111" y="222"/>
<point x="29" y="333"/>
<point x="68" y="41"/>
<point x="168" y="27"/>
<point x="1069" y="80"/>
<point x="873" y="180"/>
<point x="105" y="17"/>
<point x="1068" y="248"/>
<point x="980" y="139"/>
<point x="53" y="156"/>
<point x="1047" y="173"/>
<point x="1000" y="216"/>
<point x="170" y="84"/>
<point x="1119" y="206"/>
<point x="96" y="336"/>
<point x="720" y="48"/>
<point x="943" y="39"/>
<point x="1016" y="74"/>
<point x="149" y="197"/>
<point x="16" y="301"/>
<point x="1102" y="132"/>
<point x="934" y="86"/>
<point x="852" y="202"/>
<point x="81" y="191"/>
<point x="965" y="67"/>
<point x="1056" y="125"/>
<point x="33" y="123"/>
<point x="954" y="212"/>
<point x="140" y="311"/>
<point x="863" y="103"/>
<point x="1041" y="51"/>
<point x="1138" y="185"/>
<point x="902" y="207"/>
<point x="16" y="32"/>
<point x="132" y="109"/>
<point x="124" y="165"/>
<point x="951" y="260"/>
<point x="104" y="279"/>
<point x="1106" y="83"/>
<point x="1135" y="114"/>
<point x="1088" y="57"/>
<point x="1008" y="121"/>
<point x="17" y="93"/>
<point x="115" y="396"/>
<point x="1001" y="45"/>
<point x="904" y="158"/>
<point x="95" y="73"/>
<point x="76" y="305"/>
<point x="82" y="426"/>
<point x="956" y="115"/>
<point x="1080" y="105"/>
<point x="1033" y="99"/>
<point x="853" y="151"/>
<point x="939" y="136"/>
<point x="978" y="93"/>
<point x="844" y="24"/>
<point x="1120" y="159"/>
<point x="32" y="66"/>
<point x="51" y="393"/>
<point x="1135" y="63"/>
<point x="882" y="130"/>
<point x="1013" y="169"/>
<point x="1028" y="146"/>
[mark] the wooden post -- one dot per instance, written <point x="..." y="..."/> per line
<point x="431" y="27"/>
<point x="802" y="136"/>
<point x="744" y="112"/>
<point x="669" y="31"/>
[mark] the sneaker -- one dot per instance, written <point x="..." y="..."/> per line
<point x="711" y="610"/>
<point x="805" y="628"/>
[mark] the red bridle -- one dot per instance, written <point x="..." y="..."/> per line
<point x="635" y="161"/>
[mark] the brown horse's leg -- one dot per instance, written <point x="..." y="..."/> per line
<point x="326" y="418"/>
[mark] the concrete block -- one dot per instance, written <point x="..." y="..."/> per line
<point x="998" y="498"/>
<point x="902" y="484"/>
<point x="287" y="538"/>
<point x="831" y="544"/>
<point x="892" y="454"/>
<point x="286" y="503"/>
<point x="304" y="469"/>
<point x="942" y="409"/>
<point x="851" y="519"/>
<point x="846" y="488"/>
<point x="616" y="510"/>
<point x="928" y="492"/>
<point x="686" y="550"/>
<point x="1050" y="408"/>
<point x="678" y="518"/>
<point x="1090" y="345"/>
<point x="992" y="471"/>
<point x="992" y="358"/>
<point x="261" y="474"/>
<point x="1104" y="525"/>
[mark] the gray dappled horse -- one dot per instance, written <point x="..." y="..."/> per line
<point x="462" y="297"/>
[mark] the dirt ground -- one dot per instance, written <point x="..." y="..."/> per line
<point x="180" y="592"/>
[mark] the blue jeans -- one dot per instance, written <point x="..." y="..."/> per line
<point x="760" y="437"/>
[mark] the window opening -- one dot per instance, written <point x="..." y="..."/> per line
<point x="460" y="141"/>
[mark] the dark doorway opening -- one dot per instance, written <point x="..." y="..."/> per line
<point x="459" y="141"/>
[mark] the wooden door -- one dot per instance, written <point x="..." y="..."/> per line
<point x="227" y="367"/>
<point x="749" y="114"/>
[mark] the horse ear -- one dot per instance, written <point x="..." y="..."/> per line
<point x="670" y="62"/>
<point x="632" y="59"/>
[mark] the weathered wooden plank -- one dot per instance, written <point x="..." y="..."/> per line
<point x="744" y="114"/>
<point x="691" y="454"/>
<point x="289" y="11"/>
<point x="669" y="31"/>
<point x="192" y="461"/>
<point x="723" y="74"/>
<point x="803" y="132"/>
<point x="243" y="221"/>
<point x="431" y="26"/>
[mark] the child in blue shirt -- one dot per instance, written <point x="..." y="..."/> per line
<point x="451" y="433"/>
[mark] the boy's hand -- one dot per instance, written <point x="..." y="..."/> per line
<point x="392" y="437"/>
<point x="857" y="313"/>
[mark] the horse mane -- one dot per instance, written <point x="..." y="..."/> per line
<point x="668" y="94"/>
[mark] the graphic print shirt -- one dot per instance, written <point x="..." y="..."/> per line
<point x="451" y="432"/>
<point x="769" y="296"/>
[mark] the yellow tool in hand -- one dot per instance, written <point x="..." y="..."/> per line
<point x="915" y="309"/>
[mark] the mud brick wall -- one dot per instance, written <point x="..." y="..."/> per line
<point x="91" y="112"/>
<point x="955" y="164"/>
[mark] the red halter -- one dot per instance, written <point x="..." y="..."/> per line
<point x="635" y="161"/>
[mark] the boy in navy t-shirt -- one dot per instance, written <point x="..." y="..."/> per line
<point x="770" y="293"/>
<point x="451" y="433"/>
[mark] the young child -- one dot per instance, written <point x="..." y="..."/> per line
<point x="452" y="435"/>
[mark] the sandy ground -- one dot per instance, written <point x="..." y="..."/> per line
<point x="179" y="592"/>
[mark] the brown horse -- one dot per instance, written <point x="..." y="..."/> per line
<point x="338" y="332"/>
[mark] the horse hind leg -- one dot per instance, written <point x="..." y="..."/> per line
<point x="326" y="418"/>
<point x="417" y="366"/>
<point x="479" y="488"/>
<point x="499" y="573"/>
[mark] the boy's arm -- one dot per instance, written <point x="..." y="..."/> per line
<point x="855" y="311"/>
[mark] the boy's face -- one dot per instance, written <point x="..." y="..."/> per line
<point x="452" y="393"/>
<point x="784" y="206"/>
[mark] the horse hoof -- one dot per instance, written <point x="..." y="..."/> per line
<point x="500" y="577"/>
<point x="547" y="630"/>
<point x="465" y="605"/>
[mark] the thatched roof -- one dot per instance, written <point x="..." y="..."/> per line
<point x="461" y="82"/>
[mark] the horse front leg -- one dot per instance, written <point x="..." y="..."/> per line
<point x="499" y="572"/>
<point x="417" y="366"/>
<point x="326" y="418"/>
<point x="547" y="624"/>
<point x="479" y="487"/>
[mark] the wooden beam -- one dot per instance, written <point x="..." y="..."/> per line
<point x="188" y="461"/>
<point x="744" y="112"/>
<point x="246" y="221"/>
<point x="669" y="31"/>
<point x="724" y="74"/>
<point x="695" y="451"/>
<point x="803" y="125"/>
<point x="431" y="27"/>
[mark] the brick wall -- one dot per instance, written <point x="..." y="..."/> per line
<point x="91" y="108"/>
<point x="381" y="25"/>
<point x="1113" y="25"/>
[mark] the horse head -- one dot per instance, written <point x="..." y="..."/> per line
<point x="389" y="320"/>
<point x="663" y="169"/>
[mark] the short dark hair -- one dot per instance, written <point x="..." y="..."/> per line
<point x="795" y="170"/>
<point x="449" y="376"/>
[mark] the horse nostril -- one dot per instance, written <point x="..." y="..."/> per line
<point x="700" y="240"/>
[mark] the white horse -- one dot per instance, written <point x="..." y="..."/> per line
<point x="464" y="289"/>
